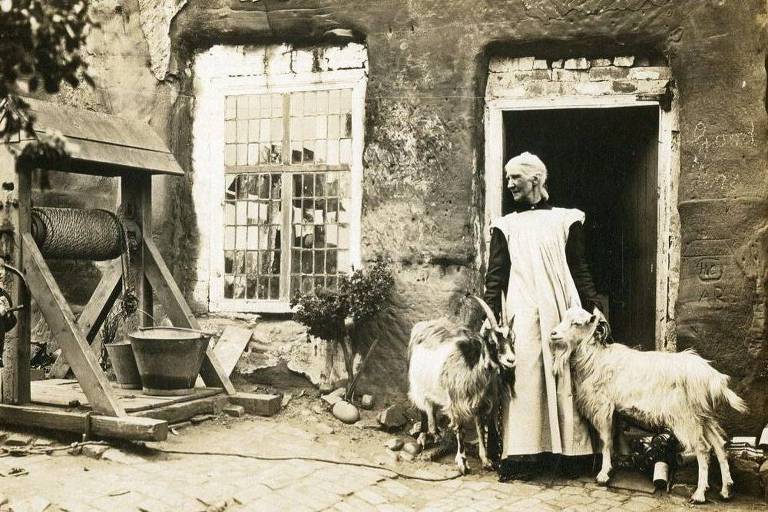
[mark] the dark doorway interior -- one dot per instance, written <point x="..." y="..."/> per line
<point x="604" y="162"/>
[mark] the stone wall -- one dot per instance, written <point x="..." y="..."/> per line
<point x="423" y="194"/>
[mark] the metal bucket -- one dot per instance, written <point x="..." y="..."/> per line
<point x="168" y="358"/>
<point x="124" y="364"/>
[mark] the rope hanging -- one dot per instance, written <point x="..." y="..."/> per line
<point x="77" y="234"/>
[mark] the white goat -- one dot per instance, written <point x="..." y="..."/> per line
<point x="679" y="391"/>
<point x="460" y="371"/>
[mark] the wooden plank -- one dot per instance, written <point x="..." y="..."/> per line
<point x="125" y="427"/>
<point x="16" y="377"/>
<point x="175" y="413"/>
<point x="178" y="311"/>
<point x="135" y="428"/>
<point x="102" y="300"/>
<point x="92" y="317"/>
<point x="63" y="392"/>
<point x="63" y="327"/>
<point x="136" y="198"/>
<point x="230" y="347"/>
<point x="260" y="404"/>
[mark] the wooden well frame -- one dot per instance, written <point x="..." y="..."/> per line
<point x="130" y="150"/>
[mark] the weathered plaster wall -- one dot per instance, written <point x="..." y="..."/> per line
<point x="423" y="165"/>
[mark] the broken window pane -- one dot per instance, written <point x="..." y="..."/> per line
<point x="229" y="282"/>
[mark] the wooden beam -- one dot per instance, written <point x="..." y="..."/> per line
<point x="170" y="295"/>
<point x="175" y="413"/>
<point x="15" y="389"/>
<point x="257" y="403"/>
<point x="102" y="300"/>
<point x="126" y="427"/>
<point x="94" y="314"/>
<point x="136" y="199"/>
<point x="63" y="327"/>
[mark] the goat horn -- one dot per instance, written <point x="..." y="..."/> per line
<point x="488" y="312"/>
<point x="504" y="319"/>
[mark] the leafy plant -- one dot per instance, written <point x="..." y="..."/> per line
<point x="337" y="315"/>
<point x="40" y="43"/>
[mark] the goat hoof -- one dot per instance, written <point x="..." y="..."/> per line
<point x="697" y="498"/>
<point x="462" y="465"/>
<point x="726" y="493"/>
<point x="423" y="440"/>
<point x="602" y="478"/>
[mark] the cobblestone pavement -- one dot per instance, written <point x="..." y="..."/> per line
<point x="127" y="480"/>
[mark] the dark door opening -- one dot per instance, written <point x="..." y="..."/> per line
<point x="604" y="162"/>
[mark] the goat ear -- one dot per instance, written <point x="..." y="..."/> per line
<point x="595" y="311"/>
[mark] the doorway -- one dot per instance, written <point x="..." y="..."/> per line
<point x="605" y="162"/>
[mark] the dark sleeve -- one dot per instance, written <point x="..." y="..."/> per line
<point x="577" y="264"/>
<point x="497" y="275"/>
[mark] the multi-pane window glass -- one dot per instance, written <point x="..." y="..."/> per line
<point x="252" y="222"/>
<point x="319" y="230"/>
<point x="286" y="132"/>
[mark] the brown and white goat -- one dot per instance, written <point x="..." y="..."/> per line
<point x="459" y="371"/>
<point x="679" y="391"/>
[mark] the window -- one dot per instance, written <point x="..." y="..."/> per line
<point x="278" y="143"/>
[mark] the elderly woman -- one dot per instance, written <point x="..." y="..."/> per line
<point x="537" y="259"/>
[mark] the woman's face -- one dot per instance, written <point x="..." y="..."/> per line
<point x="523" y="187"/>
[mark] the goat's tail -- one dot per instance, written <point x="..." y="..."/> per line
<point x="720" y="392"/>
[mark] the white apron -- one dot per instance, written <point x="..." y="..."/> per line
<point x="541" y="417"/>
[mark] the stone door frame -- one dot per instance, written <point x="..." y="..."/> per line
<point x="668" y="223"/>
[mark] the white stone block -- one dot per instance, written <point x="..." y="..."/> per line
<point x="581" y="63"/>
<point x="525" y="63"/>
<point x="650" y="73"/>
<point x="540" y="64"/>
<point x="278" y="60"/>
<point x="548" y="89"/>
<point x="567" y="75"/>
<point x="556" y="64"/>
<point x="351" y="56"/>
<point x="301" y="61"/>
<point x="502" y="65"/>
<point x="600" y="63"/>
<point x="651" y="86"/>
<point x="624" y="62"/>
<point x="593" y="88"/>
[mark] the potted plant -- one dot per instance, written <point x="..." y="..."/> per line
<point x="338" y="315"/>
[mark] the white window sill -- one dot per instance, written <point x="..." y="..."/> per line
<point x="251" y="306"/>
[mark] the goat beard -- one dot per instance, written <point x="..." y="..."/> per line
<point x="561" y="357"/>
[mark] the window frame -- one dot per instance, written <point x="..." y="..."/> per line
<point x="221" y="87"/>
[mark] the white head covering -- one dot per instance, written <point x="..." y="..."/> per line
<point x="529" y="166"/>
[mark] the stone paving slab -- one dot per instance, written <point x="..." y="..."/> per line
<point x="138" y="481"/>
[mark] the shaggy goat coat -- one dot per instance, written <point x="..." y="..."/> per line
<point x="437" y="370"/>
<point x="678" y="391"/>
<point x="541" y="416"/>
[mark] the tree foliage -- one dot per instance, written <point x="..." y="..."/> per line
<point x="40" y="42"/>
